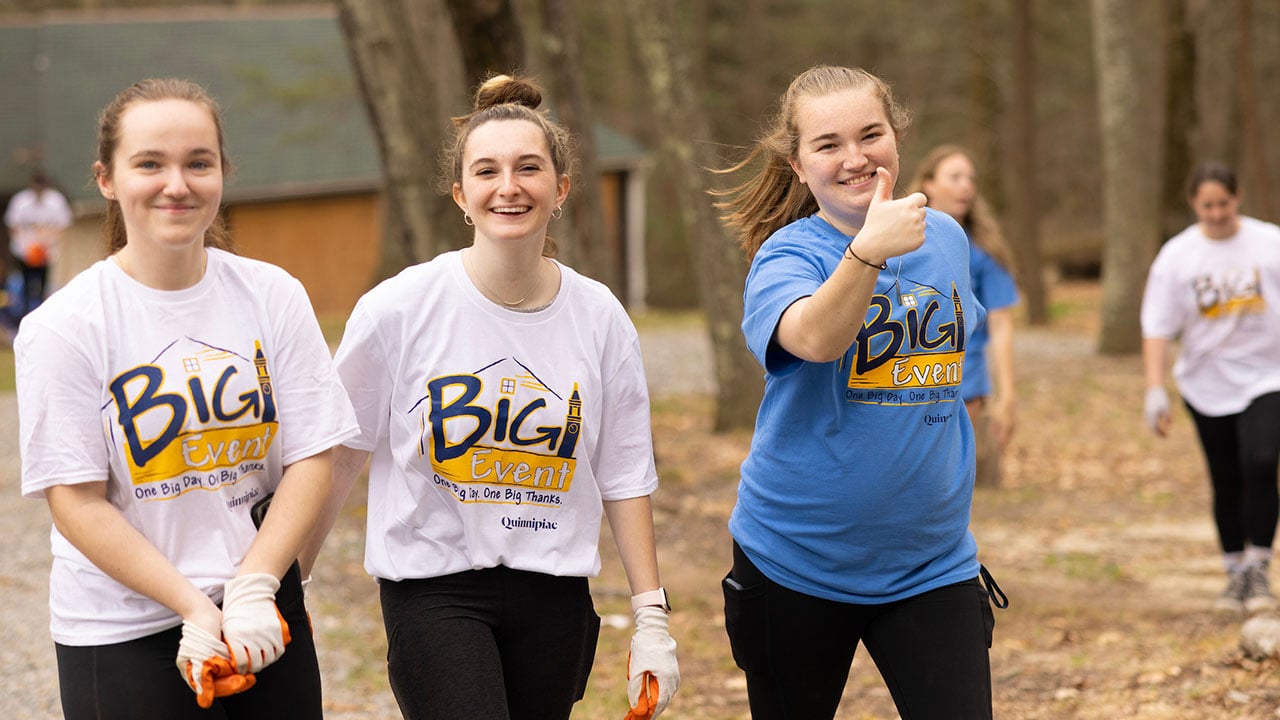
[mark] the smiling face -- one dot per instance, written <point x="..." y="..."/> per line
<point x="843" y="137"/>
<point x="1217" y="209"/>
<point x="166" y="173"/>
<point x="953" y="187"/>
<point x="509" y="184"/>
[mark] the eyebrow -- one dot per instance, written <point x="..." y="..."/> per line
<point x="523" y="158"/>
<point x="834" y="135"/>
<point x="156" y="153"/>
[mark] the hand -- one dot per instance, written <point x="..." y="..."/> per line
<point x="892" y="227"/>
<point x="1155" y="411"/>
<point x="653" y="675"/>
<point x="205" y="664"/>
<point x="1002" y="418"/>
<point x="251" y="624"/>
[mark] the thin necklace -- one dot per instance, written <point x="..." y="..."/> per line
<point x="537" y="281"/>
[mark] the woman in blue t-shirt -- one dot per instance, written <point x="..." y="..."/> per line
<point x="948" y="177"/>
<point x="852" y="520"/>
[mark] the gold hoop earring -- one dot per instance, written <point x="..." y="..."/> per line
<point x="558" y="212"/>
<point x="466" y="219"/>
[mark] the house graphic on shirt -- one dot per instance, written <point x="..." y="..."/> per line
<point x="501" y="425"/>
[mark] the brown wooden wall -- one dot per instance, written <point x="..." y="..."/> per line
<point x="332" y="244"/>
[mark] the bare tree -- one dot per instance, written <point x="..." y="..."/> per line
<point x="1024" y="191"/>
<point x="1255" y="156"/>
<point x="720" y="270"/>
<point x="405" y="90"/>
<point x="592" y="252"/>
<point x="489" y="38"/>
<point x="1181" y="119"/>
<point x="1132" y="108"/>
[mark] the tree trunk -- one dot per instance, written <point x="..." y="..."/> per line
<point x="1128" y="43"/>
<point x="1258" y="198"/>
<point x="489" y="37"/>
<point x="384" y="37"/>
<point x="592" y="251"/>
<point x="1181" y="120"/>
<point x="720" y="269"/>
<point x="1024" y="192"/>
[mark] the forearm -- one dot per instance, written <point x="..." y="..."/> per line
<point x="821" y="327"/>
<point x="631" y="521"/>
<point x="1000" y="353"/>
<point x="347" y="466"/>
<point x="1154" y="358"/>
<point x="298" y="502"/>
<point x="96" y="528"/>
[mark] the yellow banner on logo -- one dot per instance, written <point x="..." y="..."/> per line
<point x="504" y="466"/>
<point x="206" y="450"/>
<point x="913" y="371"/>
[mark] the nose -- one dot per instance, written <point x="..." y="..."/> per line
<point x="176" y="183"/>
<point x="854" y="158"/>
<point x="509" y="184"/>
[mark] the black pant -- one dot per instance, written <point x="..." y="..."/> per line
<point x="796" y="649"/>
<point x="491" y="644"/>
<point x="1243" y="454"/>
<point x="140" y="679"/>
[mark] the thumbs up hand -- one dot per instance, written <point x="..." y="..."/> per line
<point x="893" y="227"/>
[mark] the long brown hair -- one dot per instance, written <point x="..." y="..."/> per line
<point x="772" y="196"/>
<point x="503" y="97"/>
<point x="980" y="222"/>
<point x="153" y="90"/>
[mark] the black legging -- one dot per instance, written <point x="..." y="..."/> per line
<point x="139" y="678"/>
<point x="1243" y="454"/>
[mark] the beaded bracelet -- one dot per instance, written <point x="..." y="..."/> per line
<point x="850" y="254"/>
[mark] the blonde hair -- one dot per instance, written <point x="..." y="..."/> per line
<point x="772" y="196"/>
<point x="503" y="97"/>
<point x="980" y="222"/>
<point x="154" y="90"/>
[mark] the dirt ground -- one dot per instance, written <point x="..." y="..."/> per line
<point x="1100" y="535"/>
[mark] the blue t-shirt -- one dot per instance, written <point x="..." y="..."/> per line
<point x="859" y="481"/>
<point x="995" y="289"/>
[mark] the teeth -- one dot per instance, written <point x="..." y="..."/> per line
<point x="511" y="211"/>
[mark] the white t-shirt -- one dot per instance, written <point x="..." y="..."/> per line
<point x="495" y="434"/>
<point x="1221" y="299"/>
<point x="33" y="218"/>
<point x="189" y="403"/>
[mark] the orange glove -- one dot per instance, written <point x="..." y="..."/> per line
<point x="218" y="678"/>
<point x="205" y="664"/>
<point x="648" y="700"/>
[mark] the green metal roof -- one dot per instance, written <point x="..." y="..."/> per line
<point x="294" y="121"/>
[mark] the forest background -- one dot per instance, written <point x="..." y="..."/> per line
<point x="1085" y="118"/>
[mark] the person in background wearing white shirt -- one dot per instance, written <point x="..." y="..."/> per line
<point x="503" y="400"/>
<point x="164" y="395"/>
<point x="1213" y="288"/>
<point x="36" y="218"/>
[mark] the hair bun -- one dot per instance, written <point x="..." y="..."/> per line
<point x="504" y="89"/>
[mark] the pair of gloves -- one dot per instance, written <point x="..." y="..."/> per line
<point x="253" y="636"/>
<point x="653" y="675"/>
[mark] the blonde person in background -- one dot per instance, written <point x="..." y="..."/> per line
<point x="36" y="218"/>
<point x="164" y="395"/>
<point x="502" y="398"/>
<point x="948" y="177"/>
<point x="1214" y="288"/>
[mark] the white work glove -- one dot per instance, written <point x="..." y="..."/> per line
<point x="206" y="665"/>
<point x="1155" y="410"/>
<point x="251" y="624"/>
<point x="653" y="675"/>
